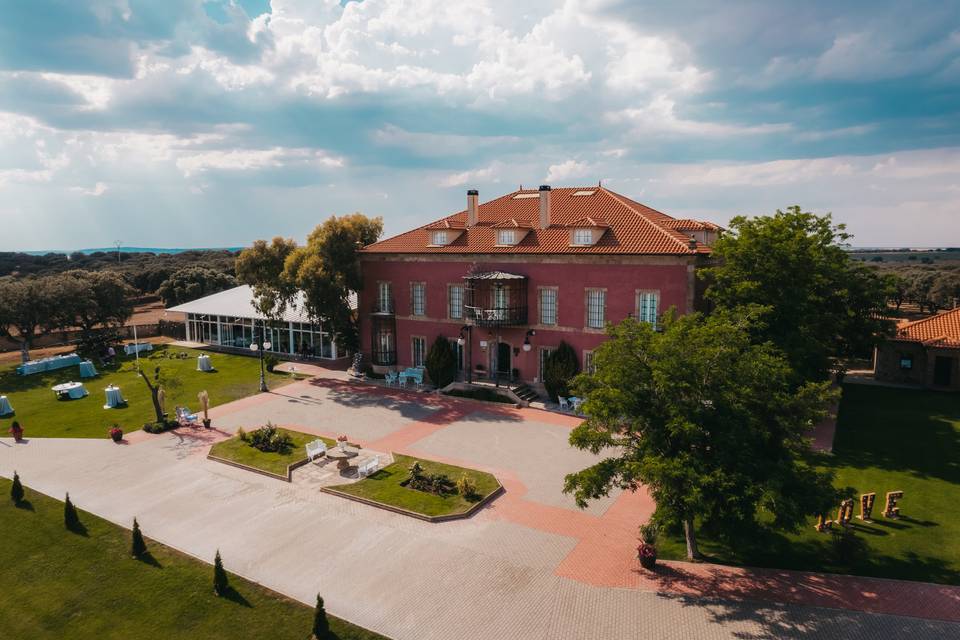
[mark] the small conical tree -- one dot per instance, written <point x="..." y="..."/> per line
<point x="16" y="489"/>
<point x="219" y="576"/>
<point x="138" y="547"/>
<point x="70" y="518"/>
<point x="321" y="626"/>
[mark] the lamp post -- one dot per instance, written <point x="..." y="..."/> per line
<point x="260" y="345"/>
<point x="468" y="363"/>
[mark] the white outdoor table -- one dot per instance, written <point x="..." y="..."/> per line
<point x="203" y="363"/>
<point x="5" y="408"/>
<point x="74" y="390"/>
<point x="114" y="398"/>
<point x="130" y="349"/>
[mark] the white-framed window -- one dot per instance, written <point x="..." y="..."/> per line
<point x="455" y="301"/>
<point x="418" y="349"/>
<point x="588" y="362"/>
<point x="506" y="236"/>
<point x="500" y="297"/>
<point x="418" y="298"/>
<point x="648" y="303"/>
<point x="544" y="354"/>
<point x="548" y="305"/>
<point x="439" y="237"/>
<point x="582" y="236"/>
<point x="596" y="308"/>
<point x="384" y="297"/>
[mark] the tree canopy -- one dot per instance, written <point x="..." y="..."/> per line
<point x="708" y="421"/>
<point x="192" y="283"/>
<point x="326" y="270"/>
<point x="31" y="307"/>
<point x="819" y="306"/>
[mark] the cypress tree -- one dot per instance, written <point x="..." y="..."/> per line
<point x="219" y="576"/>
<point x="70" y="518"/>
<point x="16" y="490"/>
<point x="321" y="626"/>
<point x="138" y="546"/>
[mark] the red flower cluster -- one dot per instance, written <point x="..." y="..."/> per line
<point x="342" y="437"/>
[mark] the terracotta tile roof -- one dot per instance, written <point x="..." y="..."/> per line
<point x="691" y="225"/>
<point x="446" y="223"/>
<point x="942" y="330"/>
<point x="513" y="224"/>
<point x="632" y="228"/>
<point x="588" y="222"/>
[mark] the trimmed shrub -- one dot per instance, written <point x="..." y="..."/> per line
<point x="270" y="439"/>
<point x="441" y="362"/>
<point x="559" y="369"/>
<point x="220" y="581"/>
<point x="160" y="427"/>
<point x="466" y="488"/>
<point x="270" y="361"/>
<point x="242" y="435"/>
<point x="321" y="626"/>
<point x="137" y="547"/>
<point x="71" y="520"/>
<point x="16" y="489"/>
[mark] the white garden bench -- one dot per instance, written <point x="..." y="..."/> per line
<point x="368" y="467"/>
<point x="315" y="449"/>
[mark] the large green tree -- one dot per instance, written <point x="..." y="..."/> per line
<point x="820" y="306"/>
<point x="709" y="422"/>
<point x="326" y="270"/>
<point x="97" y="303"/>
<point x="32" y="307"/>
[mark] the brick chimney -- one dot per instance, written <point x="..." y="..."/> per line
<point x="472" y="197"/>
<point x="544" y="206"/>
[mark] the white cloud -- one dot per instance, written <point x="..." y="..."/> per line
<point x="96" y="190"/>
<point x="660" y="118"/>
<point x="490" y="173"/>
<point x="566" y="170"/>
<point x="253" y="159"/>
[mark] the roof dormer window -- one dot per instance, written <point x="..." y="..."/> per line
<point x="439" y="238"/>
<point x="583" y="237"/>
<point x="506" y="237"/>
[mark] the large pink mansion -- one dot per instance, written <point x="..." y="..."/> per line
<point x="507" y="280"/>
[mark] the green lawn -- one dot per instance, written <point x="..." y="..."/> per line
<point x="887" y="439"/>
<point x="58" y="584"/>
<point x="384" y="486"/>
<point x="236" y="450"/>
<point x="42" y="415"/>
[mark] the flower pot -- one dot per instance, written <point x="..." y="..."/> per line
<point x="206" y="423"/>
<point x="116" y="436"/>
<point x="647" y="555"/>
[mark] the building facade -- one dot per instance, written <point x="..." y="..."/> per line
<point x="925" y="353"/>
<point x="507" y="280"/>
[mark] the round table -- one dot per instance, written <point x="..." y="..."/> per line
<point x="114" y="397"/>
<point x="342" y="456"/>
<point x="72" y="390"/>
<point x="203" y="363"/>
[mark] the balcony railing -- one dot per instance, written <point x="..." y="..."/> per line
<point x="384" y="306"/>
<point x="496" y="316"/>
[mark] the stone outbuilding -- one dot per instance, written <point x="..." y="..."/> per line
<point x="925" y="353"/>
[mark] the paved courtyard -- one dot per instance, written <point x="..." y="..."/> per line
<point x="530" y="565"/>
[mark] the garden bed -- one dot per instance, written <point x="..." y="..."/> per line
<point x="238" y="453"/>
<point x="480" y="394"/>
<point x="386" y="489"/>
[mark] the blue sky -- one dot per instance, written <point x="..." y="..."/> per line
<point x="213" y="123"/>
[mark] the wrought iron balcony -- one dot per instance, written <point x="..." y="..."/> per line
<point x="384" y="306"/>
<point x="495" y="299"/>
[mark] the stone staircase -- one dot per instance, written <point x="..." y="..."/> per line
<point x="524" y="392"/>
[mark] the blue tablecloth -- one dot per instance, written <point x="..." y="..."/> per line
<point x="74" y="390"/>
<point x="48" y="364"/>
<point x="203" y="363"/>
<point x="87" y="370"/>
<point x="133" y="348"/>
<point x="114" y="399"/>
<point x="5" y="408"/>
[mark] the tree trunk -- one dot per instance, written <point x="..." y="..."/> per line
<point x="693" y="552"/>
<point x="24" y="350"/>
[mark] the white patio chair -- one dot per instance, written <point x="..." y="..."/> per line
<point x="564" y="405"/>
<point x="315" y="449"/>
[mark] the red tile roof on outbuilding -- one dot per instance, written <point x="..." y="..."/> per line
<point x="941" y="330"/>
<point x="632" y="228"/>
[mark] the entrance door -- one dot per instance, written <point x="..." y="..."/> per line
<point x="503" y="360"/>
<point x="942" y="368"/>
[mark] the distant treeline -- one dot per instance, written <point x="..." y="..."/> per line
<point x="145" y="272"/>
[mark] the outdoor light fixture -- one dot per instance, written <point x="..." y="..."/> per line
<point x="526" y="340"/>
<point x="265" y="345"/>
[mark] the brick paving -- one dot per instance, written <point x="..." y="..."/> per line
<point x="530" y="565"/>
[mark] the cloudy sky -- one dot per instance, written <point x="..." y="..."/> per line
<point x="213" y="123"/>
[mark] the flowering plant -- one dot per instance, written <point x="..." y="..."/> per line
<point x="647" y="555"/>
<point x="342" y="437"/>
<point x="116" y="433"/>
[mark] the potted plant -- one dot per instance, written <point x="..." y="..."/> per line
<point x="342" y="441"/>
<point x="16" y="431"/>
<point x="116" y="433"/>
<point x="204" y="398"/>
<point x="647" y="550"/>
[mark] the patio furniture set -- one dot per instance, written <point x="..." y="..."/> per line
<point x="571" y="403"/>
<point x="405" y="377"/>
